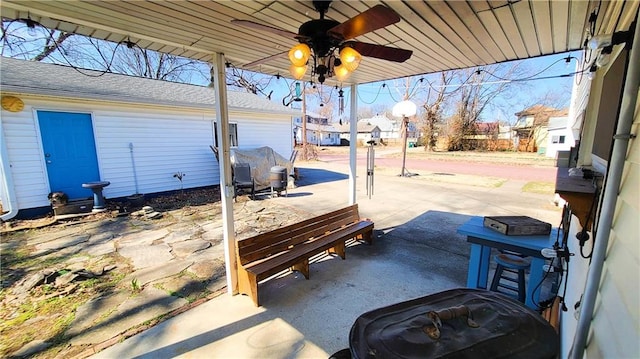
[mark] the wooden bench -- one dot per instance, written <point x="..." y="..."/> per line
<point x="290" y="247"/>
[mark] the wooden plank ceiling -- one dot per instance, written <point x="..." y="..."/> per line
<point x="443" y="35"/>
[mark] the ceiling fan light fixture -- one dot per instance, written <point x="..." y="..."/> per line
<point x="341" y="73"/>
<point x="298" y="71"/>
<point x="299" y="54"/>
<point x="350" y="58"/>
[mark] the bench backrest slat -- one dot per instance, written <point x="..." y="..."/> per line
<point x="281" y="239"/>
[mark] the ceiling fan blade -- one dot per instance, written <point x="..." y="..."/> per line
<point x="375" y="18"/>
<point x="265" y="59"/>
<point x="381" y="52"/>
<point x="271" y="29"/>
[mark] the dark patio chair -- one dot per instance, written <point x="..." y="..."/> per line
<point x="242" y="179"/>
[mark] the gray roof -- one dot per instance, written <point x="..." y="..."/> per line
<point x="362" y="127"/>
<point x="321" y="128"/>
<point x="38" y="78"/>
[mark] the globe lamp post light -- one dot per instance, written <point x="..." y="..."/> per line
<point x="405" y="109"/>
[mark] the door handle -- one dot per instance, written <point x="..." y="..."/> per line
<point x="47" y="155"/>
<point x="48" y="161"/>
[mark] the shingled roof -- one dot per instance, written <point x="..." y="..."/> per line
<point x="38" y="78"/>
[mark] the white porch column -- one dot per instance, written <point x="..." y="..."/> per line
<point x="226" y="186"/>
<point x="353" y="138"/>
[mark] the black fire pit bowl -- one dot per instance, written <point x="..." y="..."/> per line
<point x="458" y="323"/>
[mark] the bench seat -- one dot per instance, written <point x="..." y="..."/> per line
<point x="290" y="248"/>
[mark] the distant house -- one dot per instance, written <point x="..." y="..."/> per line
<point x="319" y="131"/>
<point x="389" y="129"/>
<point x="560" y="136"/>
<point x="531" y="128"/>
<point x="321" y="135"/>
<point x="365" y="132"/>
<point x="136" y="133"/>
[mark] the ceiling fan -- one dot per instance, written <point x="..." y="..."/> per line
<point x="321" y="38"/>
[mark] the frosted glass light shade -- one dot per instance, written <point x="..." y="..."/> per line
<point x="341" y="72"/>
<point x="298" y="71"/>
<point x="299" y="54"/>
<point x="350" y="58"/>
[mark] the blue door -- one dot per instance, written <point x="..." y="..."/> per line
<point x="69" y="151"/>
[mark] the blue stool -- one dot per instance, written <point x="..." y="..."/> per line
<point x="511" y="264"/>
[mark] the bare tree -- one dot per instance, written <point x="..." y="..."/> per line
<point x="25" y="39"/>
<point x="250" y="81"/>
<point x="433" y="108"/>
<point x="479" y="87"/>
<point x="28" y="40"/>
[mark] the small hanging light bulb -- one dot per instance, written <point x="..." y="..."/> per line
<point x="31" y="26"/>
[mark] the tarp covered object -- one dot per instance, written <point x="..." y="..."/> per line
<point x="261" y="160"/>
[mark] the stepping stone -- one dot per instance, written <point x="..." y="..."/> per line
<point x="150" y="274"/>
<point x="146" y="305"/>
<point x="54" y="234"/>
<point x="101" y="237"/>
<point x="179" y="236"/>
<point x="206" y="268"/>
<point x="60" y="243"/>
<point x="183" y="249"/>
<point x="100" y="249"/>
<point x="142" y="238"/>
<point x="88" y="313"/>
<point x="144" y="256"/>
<point x="213" y="232"/>
<point x="31" y="348"/>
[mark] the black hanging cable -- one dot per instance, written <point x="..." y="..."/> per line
<point x="390" y="94"/>
<point x="102" y="72"/>
<point x="374" y="100"/>
<point x="539" y="285"/>
<point x="583" y="236"/>
<point x="531" y="76"/>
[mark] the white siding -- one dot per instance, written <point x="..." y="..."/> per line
<point x="257" y="131"/>
<point x="619" y="312"/>
<point x="615" y="328"/>
<point x="163" y="144"/>
<point x="165" y="141"/>
<point x="553" y="148"/>
<point x="26" y="159"/>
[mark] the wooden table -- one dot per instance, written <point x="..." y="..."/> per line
<point x="482" y="239"/>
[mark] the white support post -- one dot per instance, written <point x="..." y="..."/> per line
<point x="226" y="186"/>
<point x="353" y="138"/>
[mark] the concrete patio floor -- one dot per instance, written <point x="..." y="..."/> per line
<point x="416" y="252"/>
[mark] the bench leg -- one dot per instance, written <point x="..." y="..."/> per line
<point x="366" y="236"/>
<point x="338" y="249"/>
<point x="302" y="267"/>
<point x="248" y="285"/>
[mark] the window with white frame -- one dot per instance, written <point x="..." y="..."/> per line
<point x="557" y="139"/>
<point x="233" y="134"/>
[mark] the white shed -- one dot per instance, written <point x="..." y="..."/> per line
<point x="560" y="137"/>
<point x="136" y="133"/>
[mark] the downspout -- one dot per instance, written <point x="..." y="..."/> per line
<point x="353" y="130"/>
<point x="610" y="196"/>
<point x="226" y="186"/>
<point x="9" y="189"/>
